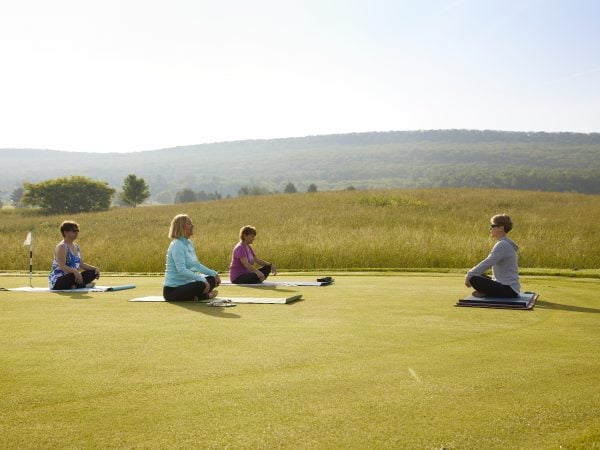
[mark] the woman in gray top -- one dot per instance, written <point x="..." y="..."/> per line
<point x="504" y="262"/>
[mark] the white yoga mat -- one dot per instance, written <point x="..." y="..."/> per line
<point x="280" y="300"/>
<point x="94" y="289"/>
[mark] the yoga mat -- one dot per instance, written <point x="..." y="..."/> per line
<point x="94" y="289"/>
<point x="280" y="300"/>
<point x="279" y="283"/>
<point x="525" y="300"/>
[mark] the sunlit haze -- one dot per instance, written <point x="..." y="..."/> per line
<point x="132" y="75"/>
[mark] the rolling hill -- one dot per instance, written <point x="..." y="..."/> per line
<point x="434" y="158"/>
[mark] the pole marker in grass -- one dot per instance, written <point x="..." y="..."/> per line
<point x="29" y="241"/>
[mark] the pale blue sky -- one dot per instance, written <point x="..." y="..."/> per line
<point x="131" y="75"/>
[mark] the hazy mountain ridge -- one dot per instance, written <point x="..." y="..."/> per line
<point x="545" y="161"/>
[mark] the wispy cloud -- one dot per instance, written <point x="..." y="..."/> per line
<point x="572" y="76"/>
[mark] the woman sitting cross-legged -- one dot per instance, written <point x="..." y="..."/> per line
<point x="243" y="258"/>
<point x="186" y="279"/>
<point x="503" y="260"/>
<point x="67" y="261"/>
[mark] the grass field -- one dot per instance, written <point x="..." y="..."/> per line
<point x="400" y="228"/>
<point x="373" y="361"/>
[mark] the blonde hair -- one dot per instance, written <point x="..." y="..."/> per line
<point x="504" y="221"/>
<point x="178" y="224"/>
<point x="246" y="230"/>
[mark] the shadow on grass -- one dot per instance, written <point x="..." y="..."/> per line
<point x="215" y="311"/>
<point x="268" y="288"/>
<point x="561" y="307"/>
<point x="75" y="295"/>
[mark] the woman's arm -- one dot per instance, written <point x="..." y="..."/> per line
<point x="492" y="259"/>
<point x="60" y="254"/>
<point x="199" y="267"/>
<point x="178" y="255"/>
<point x="262" y="262"/>
<point x="251" y="268"/>
<point x="85" y="266"/>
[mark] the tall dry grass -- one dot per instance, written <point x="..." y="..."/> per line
<point x="417" y="228"/>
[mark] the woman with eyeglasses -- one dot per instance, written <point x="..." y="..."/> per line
<point x="67" y="262"/>
<point x="504" y="262"/>
<point x="186" y="279"/>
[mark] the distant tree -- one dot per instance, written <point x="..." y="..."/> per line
<point x="164" y="197"/>
<point x="118" y="201"/>
<point x="16" y="196"/>
<point x="203" y="196"/>
<point x="350" y="188"/>
<point x="290" y="188"/>
<point x="135" y="190"/>
<point x="312" y="188"/>
<point x="68" y="195"/>
<point x="253" y="190"/>
<point x="185" y="196"/>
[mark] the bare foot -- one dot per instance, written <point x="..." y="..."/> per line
<point x="90" y="285"/>
<point x="478" y="294"/>
<point x="213" y="294"/>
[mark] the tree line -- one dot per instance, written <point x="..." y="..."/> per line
<point x="77" y="194"/>
<point x="188" y="195"/>
<point x="256" y="189"/>
<point x="82" y="194"/>
<point x="544" y="161"/>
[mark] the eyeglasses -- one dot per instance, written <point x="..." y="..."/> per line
<point x="493" y="225"/>
<point x="75" y="231"/>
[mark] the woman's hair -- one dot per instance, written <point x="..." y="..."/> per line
<point x="503" y="220"/>
<point x="178" y="224"/>
<point x="246" y="230"/>
<point x="68" y="225"/>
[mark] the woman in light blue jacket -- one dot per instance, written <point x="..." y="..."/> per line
<point x="186" y="279"/>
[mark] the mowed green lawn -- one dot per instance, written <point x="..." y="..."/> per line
<point x="373" y="361"/>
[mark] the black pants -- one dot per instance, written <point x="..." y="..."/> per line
<point x="68" y="281"/>
<point x="189" y="292"/>
<point x="252" y="278"/>
<point x="492" y="288"/>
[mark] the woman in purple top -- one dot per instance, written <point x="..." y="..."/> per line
<point x="243" y="258"/>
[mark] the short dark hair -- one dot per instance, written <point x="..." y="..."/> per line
<point x="68" y="225"/>
<point x="504" y="221"/>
